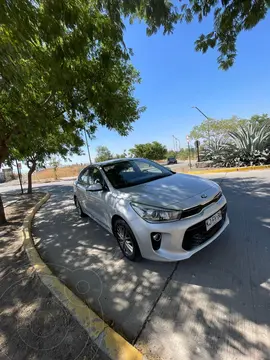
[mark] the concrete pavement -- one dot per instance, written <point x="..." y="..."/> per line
<point x="88" y="259"/>
<point x="215" y="305"/>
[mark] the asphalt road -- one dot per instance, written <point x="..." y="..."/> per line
<point x="215" y="305"/>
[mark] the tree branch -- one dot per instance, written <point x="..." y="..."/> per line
<point x="48" y="98"/>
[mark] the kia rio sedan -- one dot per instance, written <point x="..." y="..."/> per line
<point x="153" y="212"/>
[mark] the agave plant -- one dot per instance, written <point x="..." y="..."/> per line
<point x="251" y="143"/>
<point x="217" y="152"/>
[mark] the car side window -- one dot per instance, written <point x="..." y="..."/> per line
<point x="84" y="177"/>
<point x="96" y="177"/>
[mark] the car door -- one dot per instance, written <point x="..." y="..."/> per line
<point x="81" y="186"/>
<point x="96" y="201"/>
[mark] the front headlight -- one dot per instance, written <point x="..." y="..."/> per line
<point x="153" y="214"/>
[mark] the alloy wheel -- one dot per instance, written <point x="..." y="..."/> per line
<point x="124" y="239"/>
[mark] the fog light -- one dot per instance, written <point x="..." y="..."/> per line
<point x="156" y="240"/>
<point x="156" y="236"/>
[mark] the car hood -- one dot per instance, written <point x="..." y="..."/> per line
<point x="178" y="191"/>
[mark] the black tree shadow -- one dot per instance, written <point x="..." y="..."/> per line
<point x="217" y="302"/>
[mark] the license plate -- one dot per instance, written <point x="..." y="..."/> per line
<point x="213" y="220"/>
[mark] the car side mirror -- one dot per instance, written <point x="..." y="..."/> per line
<point x="95" y="187"/>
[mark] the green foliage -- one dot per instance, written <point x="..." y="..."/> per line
<point x="38" y="149"/>
<point x="251" y="143"/>
<point x="120" y="156"/>
<point x="260" y="119"/>
<point x="229" y="18"/>
<point x="183" y="154"/>
<point x="215" y="129"/>
<point x="171" y="153"/>
<point x="103" y="154"/>
<point x="152" y="151"/>
<point x="248" y="145"/>
<point x="217" y="151"/>
<point x="63" y="63"/>
<point x="55" y="163"/>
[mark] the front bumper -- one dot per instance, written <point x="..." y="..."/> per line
<point x="176" y="236"/>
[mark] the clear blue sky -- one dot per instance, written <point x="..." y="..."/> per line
<point x="175" y="78"/>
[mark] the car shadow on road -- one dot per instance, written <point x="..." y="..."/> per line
<point x="214" y="305"/>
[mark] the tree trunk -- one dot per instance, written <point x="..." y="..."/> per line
<point x="55" y="173"/>
<point x="3" y="152"/>
<point x="30" y="172"/>
<point x="2" y="213"/>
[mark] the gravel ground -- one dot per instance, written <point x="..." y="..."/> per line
<point x="34" y="325"/>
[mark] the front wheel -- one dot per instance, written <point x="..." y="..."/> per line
<point x="126" y="240"/>
<point x="79" y="208"/>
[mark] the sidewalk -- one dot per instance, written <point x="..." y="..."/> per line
<point x="213" y="306"/>
<point x="34" y="325"/>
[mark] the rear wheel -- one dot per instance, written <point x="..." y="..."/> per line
<point x="79" y="208"/>
<point x="126" y="240"/>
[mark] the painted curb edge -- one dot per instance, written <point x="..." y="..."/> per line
<point x="226" y="170"/>
<point x="107" y="340"/>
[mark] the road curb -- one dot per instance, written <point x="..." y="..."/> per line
<point x="226" y="170"/>
<point x="108" y="341"/>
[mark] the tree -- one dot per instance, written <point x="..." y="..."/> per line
<point x="229" y="19"/>
<point x="63" y="61"/>
<point x="213" y="130"/>
<point x="172" y="153"/>
<point x="62" y="64"/>
<point x="55" y="163"/>
<point x="37" y="151"/>
<point x="120" y="156"/>
<point x="182" y="154"/>
<point x="153" y="151"/>
<point x="103" y="154"/>
<point x="260" y="119"/>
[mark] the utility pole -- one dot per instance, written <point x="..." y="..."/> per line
<point x="208" y="129"/>
<point x="178" y="143"/>
<point x="175" y="139"/>
<point x="87" y="145"/>
<point x="189" y="158"/>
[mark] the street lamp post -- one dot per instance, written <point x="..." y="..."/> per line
<point x="208" y="129"/>
<point x="179" y="148"/>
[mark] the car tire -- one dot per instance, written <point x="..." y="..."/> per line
<point x="126" y="240"/>
<point x="79" y="208"/>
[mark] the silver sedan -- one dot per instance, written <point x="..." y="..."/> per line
<point x="153" y="212"/>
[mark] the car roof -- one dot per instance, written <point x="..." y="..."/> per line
<point x="113" y="161"/>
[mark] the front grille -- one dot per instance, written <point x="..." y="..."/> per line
<point x="197" y="209"/>
<point x="197" y="234"/>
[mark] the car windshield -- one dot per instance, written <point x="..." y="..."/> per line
<point x="134" y="172"/>
<point x="171" y="158"/>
